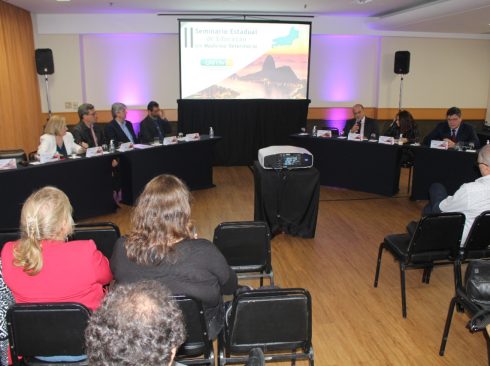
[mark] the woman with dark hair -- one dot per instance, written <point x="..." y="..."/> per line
<point x="404" y="124"/>
<point x="161" y="246"/>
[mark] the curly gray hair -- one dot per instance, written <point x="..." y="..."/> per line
<point x="137" y="324"/>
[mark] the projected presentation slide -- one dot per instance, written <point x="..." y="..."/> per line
<point x="244" y="60"/>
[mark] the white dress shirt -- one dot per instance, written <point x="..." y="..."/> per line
<point x="48" y="144"/>
<point x="471" y="199"/>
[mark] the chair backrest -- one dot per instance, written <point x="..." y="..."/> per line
<point x="272" y="319"/>
<point x="478" y="241"/>
<point x="17" y="154"/>
<point x="47" y="329"/>
<point x="245" y="244"/>
<point x="437" y="235"/>
<point x="105" y="235"/>
<point x="7" y="235"/>
<point x="197" y="342"/>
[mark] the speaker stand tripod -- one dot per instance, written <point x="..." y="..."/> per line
<point x="46" y="87"/>
<point x="401" y="91"/>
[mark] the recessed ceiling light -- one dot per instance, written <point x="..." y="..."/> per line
<point x="63" y="1"/>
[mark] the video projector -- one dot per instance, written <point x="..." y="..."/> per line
<point x="285" y="157"/>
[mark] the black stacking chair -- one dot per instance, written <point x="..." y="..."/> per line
<point x="278" y="321"/>
<point x="18" y="154"/>
<point x="462" y="300"/>
<point x="7" y="235"/>
<point x="46" y="329"/>
<point x="437" y="237"/>
<point x="246" y="246"/>
<point x="105" y="235"/>
<point x="197" y="349"/>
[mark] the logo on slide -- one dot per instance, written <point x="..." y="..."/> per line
<point x="286" y="40"/>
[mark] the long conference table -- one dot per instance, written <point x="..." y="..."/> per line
<point x="88" y="181"/>
<point x="375" y="168"/>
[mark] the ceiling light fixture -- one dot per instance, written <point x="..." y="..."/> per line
<point x="362" y="2"/>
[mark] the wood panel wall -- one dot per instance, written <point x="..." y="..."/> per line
<point x="20" y="104"/>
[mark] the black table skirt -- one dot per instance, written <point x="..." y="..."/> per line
<point x="449" y="167"/>
<point x="245" y="125"/>
<point x="86" y="181"/>
<point x="190" y="161"/>
<point x="361" y="166"/>
<point x="287" y="200"/>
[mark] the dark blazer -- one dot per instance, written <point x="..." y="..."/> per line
<point x="81" y="133"/>
<point x="114" y="132"/>
<point x="466" y="134"/>
<point x="148" y="129"/>
<point x="411" y="135"/>
<point x="370" y="126"/>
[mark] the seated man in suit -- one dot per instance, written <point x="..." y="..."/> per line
<point x="86" y="132"/>
<point x="119" y="129"/>
<point x="154" y="126"/>
<point x="354" y="125"/>
<point x="471" y="198"/>
<point x="453" y="131"/>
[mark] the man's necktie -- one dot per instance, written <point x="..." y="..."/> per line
<point x="453" y="135"/>
<point x="93" y="135"/>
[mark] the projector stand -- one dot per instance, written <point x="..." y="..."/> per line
<point x="47" y="94"/>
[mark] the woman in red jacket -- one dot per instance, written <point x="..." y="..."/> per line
<point x="42" y="266"/>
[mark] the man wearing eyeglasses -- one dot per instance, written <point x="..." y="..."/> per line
<point x="454" y="131"/>
<point x="86" y="133"/>
<point x="471" y="198"/>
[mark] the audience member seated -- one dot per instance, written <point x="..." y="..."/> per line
<point x="119" y="129"/>
<point x="57" y="139"/>
<point x="43" y="267"/>
<point x="453" y="131"/>
<point x="161" y="246"/>
<point x="404" y="124"/>
<point x="354" y="125"/>
<point x="471" y="198"/>
<point x="137" y="324"/>
<point x="86" y="132"/>
<point x="154" y="126"/>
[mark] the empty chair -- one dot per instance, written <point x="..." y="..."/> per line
<point x="18" y="154"/>
<point x="104" y="234"/>
<point x="46" y="329"/>
<point x="197" y="349"/>
<point x="247" y="248"/>
<point x="278" y="321"/>
<point x="7" y="235"/>
<point x="437" y="237"/>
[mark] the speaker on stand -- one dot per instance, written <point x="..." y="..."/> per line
<point x="45" y="66"/>
<point x="402" y="67"/>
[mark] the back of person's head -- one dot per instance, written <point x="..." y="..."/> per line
<point x="84" y="109"/>
<point x="453" y="111"/>
<point x="152" y="105"/>
<point x="137" y="324"/>
<point x="117" y="107"/>
<point x="484" y="155"/>
<point x="47" y="214"/>
<point x="55" y="125"/>
<point x="406" y="121"/>
<point x="161" y="218"/>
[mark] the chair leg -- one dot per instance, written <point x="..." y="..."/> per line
<point x="409" y="179"/>
<point x="448" y="325"/>
<point x="378" y="265"/>
<point x="429" y="272"/>
<point x="457" y="282"/>
<point x="261" y="279"/>
<point x="271" y="277"/>
<point x="311" y="357"/>
<point x="402" y="282"/>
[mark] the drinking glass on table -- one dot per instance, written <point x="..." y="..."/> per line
<point x="156" y="140"/>
<point x="105" y="148"/>
<point x="471" y="146"/>
<point x="373" y="136"/>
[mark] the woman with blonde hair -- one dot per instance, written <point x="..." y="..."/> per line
<point x="57" y="139"/>
<point x="161" y="246"/>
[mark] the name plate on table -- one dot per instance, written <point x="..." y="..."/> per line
<point x="143" y="146"/>
<point x="436" y="144"/>
<point x="192" y="136"/>
<point x="6" y="164"/>
<point x="171" y="140"/>
<point x="354" y="137"/>
<point x="47" y="158"/>
<point x="324" y="133"/>
<point x="94" y="151"/>
<point x="387" y="140"/>
<point x="126" y="146"/>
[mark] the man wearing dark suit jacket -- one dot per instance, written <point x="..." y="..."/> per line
<point x="119" y="129"/>
<point x="354" y="125"/>
<point x="153" y="126"/>
<point x="86" y="133"/>
<point x="453" y="131"/>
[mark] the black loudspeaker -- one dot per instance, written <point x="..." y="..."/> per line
<point x="44" y="61"/>
<point x="402" y="62"/>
